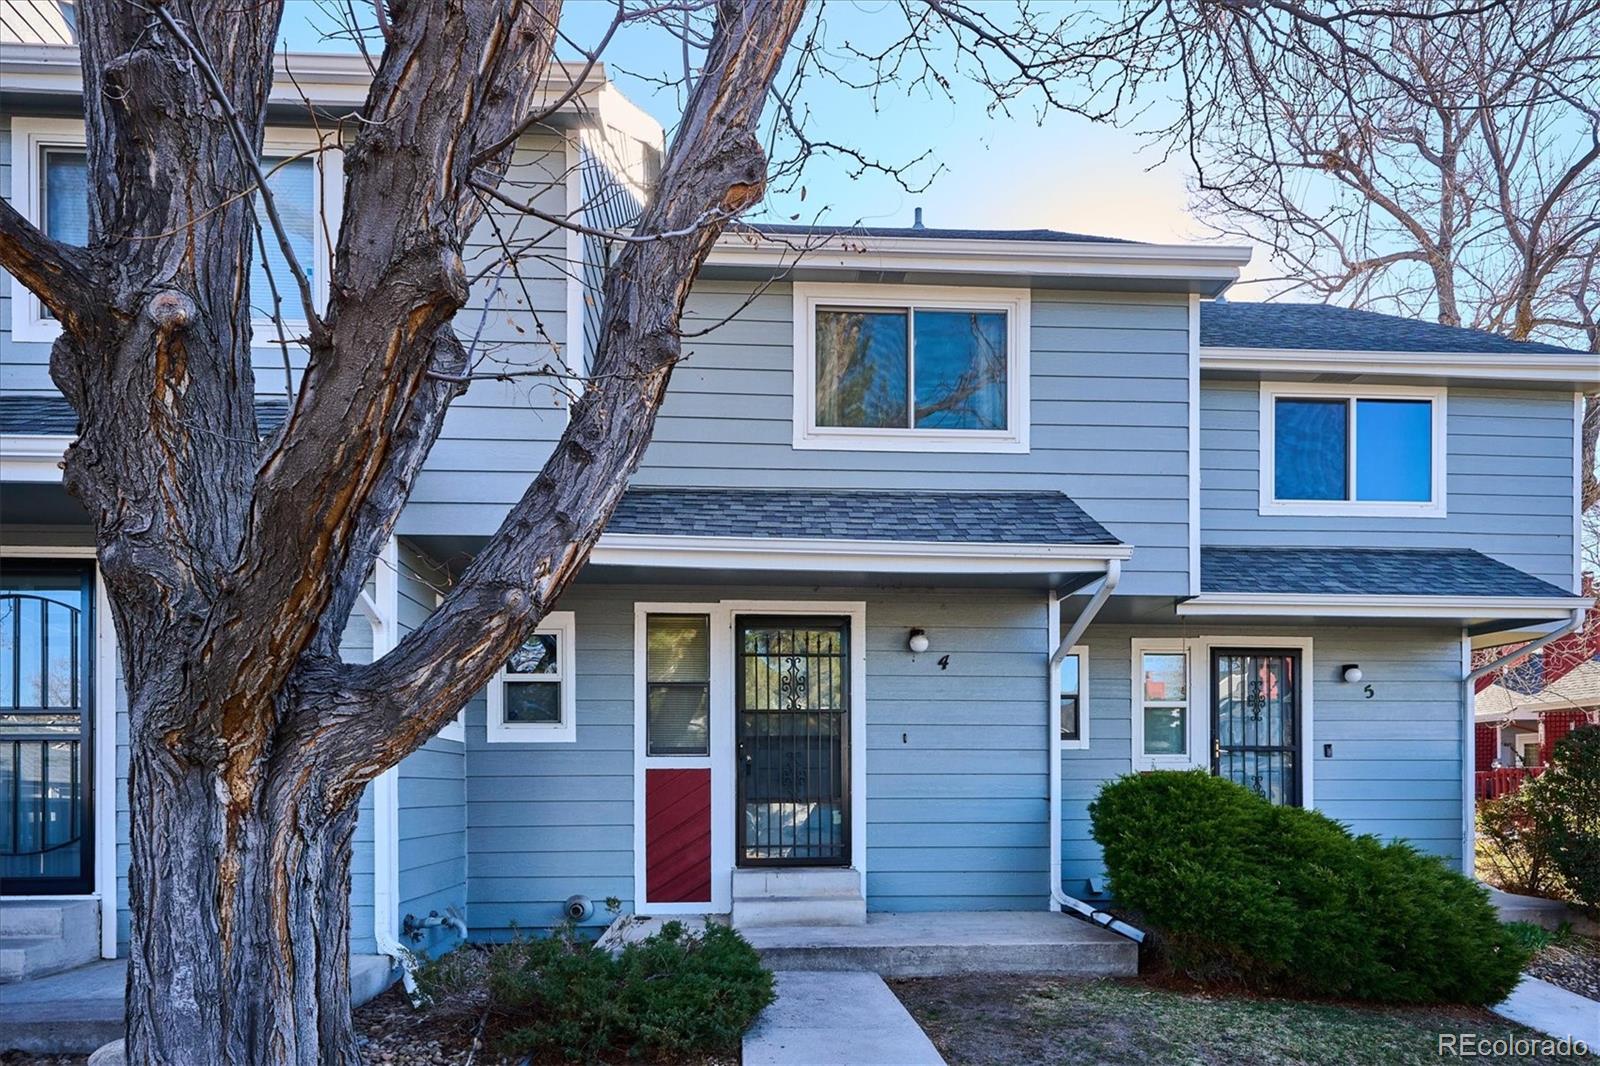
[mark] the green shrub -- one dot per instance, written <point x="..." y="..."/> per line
<point x="672" y="995"/>
<point x="1514" y="843"/>
<point x="1569" y="790"/>
<point x="1286" y="900"/>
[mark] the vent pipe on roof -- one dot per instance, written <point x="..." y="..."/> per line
<point x="916" y="218"/>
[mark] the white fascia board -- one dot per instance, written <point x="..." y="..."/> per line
<point x="333" y="79"/>
<point x="35" y="457"/>
<point x="1576" y="370"/>
<point x="1217" y="264"/>
<point x="880" y="556"/>
<point x="1288" y="604"/>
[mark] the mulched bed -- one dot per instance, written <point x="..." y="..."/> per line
<point x="1573" y="962"/>
<point x="1018" y="1021"/>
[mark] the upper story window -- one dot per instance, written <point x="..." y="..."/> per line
<point x="50" y="186"/>
<point x="911" y="368"/>
<point x="1352" y="450"/>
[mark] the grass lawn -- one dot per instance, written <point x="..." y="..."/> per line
<point x="1018" y="1020"/>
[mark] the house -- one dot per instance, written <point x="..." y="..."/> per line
<point x="939" y="531"/>
<point x="1518" y="729"/>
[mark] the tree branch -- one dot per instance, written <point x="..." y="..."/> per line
<point x="62" y="276"/>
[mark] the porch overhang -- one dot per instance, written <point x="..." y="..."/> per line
<point x="1458" y="587"/>
<point x="833" y="555"/>
<point x="1042" y="538"/>
<point x="1468" y="612"/>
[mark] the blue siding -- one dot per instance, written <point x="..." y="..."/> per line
<point x="1396" y="766"/>
<point x="1509" y="492"/>
<point x="433" y="801"/>
<point x="356" y="647"/>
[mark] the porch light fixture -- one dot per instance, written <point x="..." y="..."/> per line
<point x="918" y="642"/>
<point x="1352" y="673"/>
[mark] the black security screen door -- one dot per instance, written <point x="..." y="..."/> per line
<point x="792" y="692"/>
<point x="1255" y="721"/>
<point x="45" y="835"/>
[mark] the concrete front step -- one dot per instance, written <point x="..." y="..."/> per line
<point x="939" y="943"/>
<point x="808" y="896"/>
<point x="45" y="937"/>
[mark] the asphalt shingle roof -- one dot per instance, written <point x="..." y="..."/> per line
<point x="53" y="415"/>
<point x="939" y="517"/>
<point x="1578" y="689"/>
<point x="777" y="229"/>
<point x="1366" y="572"/>
<point x="1229" y="324"/>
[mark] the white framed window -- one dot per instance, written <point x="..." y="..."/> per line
<point x="1072" y="689"/>
<point x="677" y="679"/>
<point x="49" y="186"/>
<point x="910" y="368"/>
<point x="1167" y="734"/>
<point x="1374" y="450"/>
<point x="532" y="699"/>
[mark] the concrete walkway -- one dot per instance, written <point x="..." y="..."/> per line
<point x="1553" y="1010"/>
<point x="841" y="1019"/>
<point x="78" y="1010"/>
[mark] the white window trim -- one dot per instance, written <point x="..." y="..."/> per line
<point x="1081" y="743"/>
<point x="563" y="625"/>
<point x="1197" y="668"/>
<point x="724" y="614"/>
<point x="1016" y="303"/>
<point x="29" y="136"/>
<point x="1272" y="391"/>
<point x="1196" y="731"/>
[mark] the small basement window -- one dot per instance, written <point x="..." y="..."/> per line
<point x="910" y="368"/>
<point x="1337" y="450"/>
<point x="532" y="699"/>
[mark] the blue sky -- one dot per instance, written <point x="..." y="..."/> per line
<point x="1016" y="171"/>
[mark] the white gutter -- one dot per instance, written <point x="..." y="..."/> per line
<point x="1469" y="681"/>
<point x="1059" y="898"/>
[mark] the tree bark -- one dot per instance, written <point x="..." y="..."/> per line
<point x="232" y="567"/>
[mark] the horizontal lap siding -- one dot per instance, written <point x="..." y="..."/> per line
<point x="1509" y="472"/>
<point x="1396" y="765"/>
<point x="24" y="366"/>
<point x="433" y="793"/>
<point x="498" y="434"/>
<point x="1109" y="400"/>
<point x="955" y="766"/>
<point x="356" y="647"/>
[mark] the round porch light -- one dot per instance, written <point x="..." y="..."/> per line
<point x="1352" y="673"/>
<point x="918" y="642"/>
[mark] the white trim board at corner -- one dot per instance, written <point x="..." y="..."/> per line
<point x="1492" y="367"/>
<point x="1290" y="604"/>
<point x="887" y="556"/>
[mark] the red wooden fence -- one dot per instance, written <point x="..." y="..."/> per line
<point x="1492" y="784"/>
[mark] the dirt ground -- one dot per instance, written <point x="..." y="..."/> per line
<point x="1573" y="962"/>
<point x="1021" y="1021"/>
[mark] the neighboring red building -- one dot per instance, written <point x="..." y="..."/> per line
<point x="1520" y="729"/>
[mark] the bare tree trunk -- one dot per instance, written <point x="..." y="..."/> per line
<point x="240" y="900"/>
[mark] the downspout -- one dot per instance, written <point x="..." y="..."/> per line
<point x="383" y="611"/>
<point x="1059" y="898"/>
<point x="1469" y="797"/>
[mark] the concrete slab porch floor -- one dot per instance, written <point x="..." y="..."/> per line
<point x="75" y="1012"/>
<point x="951" y="942"/>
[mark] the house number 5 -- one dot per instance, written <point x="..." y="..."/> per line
<point x="1368" y="690"/>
